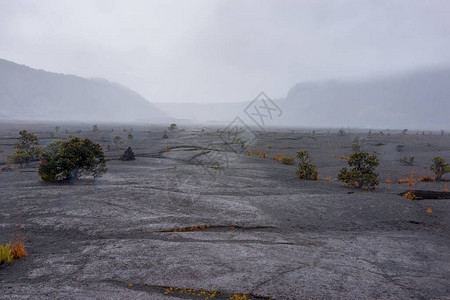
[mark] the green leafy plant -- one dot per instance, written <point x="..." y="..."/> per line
<point x="27" y="149"/>
<point x="129" y="136"/>
<point x="305" y="169"/>
<point x="172" y="127"/>
<point x="63" y="160"/>
<point x="439" y="167"/>
<point x="362" y="172"/>
<point x="407" y="160"/>
<point x="287" y="160"/>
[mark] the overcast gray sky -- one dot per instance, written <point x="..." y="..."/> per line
<point x="218" y="51"/>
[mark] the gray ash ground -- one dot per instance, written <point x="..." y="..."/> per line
<point x="270" y="235"/>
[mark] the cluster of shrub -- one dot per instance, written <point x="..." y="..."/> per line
<point x="66" y="160"/>
<point x="362" y="167"/>
<point x="60" y="160"/>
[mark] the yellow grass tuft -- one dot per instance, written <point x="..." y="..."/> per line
<point x="409" y="195"/>
<point x="5" y="253"/>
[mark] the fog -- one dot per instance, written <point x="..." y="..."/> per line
<point x="208" y="52"/>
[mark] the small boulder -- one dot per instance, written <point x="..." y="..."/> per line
<point x="128" y="155"/>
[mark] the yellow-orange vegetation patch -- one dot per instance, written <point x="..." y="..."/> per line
<point x="18" y="249"/>
<point x="403" y="180"/>
<point x="192" y="228"/>
<point x="249" y="152"/>
<point x="264" y="154"/>
<point x="409" y="195"/>
<point x="328" y="178"/>
<point x="426" y="179"/>
<point x="204" y="293"/>
<point x="429" y="210"/>
<point x="445" y="187"/>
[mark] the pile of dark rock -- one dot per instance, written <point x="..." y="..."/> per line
<point x="128" y="155"/>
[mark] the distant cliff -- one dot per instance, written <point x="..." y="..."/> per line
<point x="414" y="100"/>
<point x="31" y="94"/>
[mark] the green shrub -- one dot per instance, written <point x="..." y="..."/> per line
<point x="439" y="167"/>
<point x="287" y="160"/>
<point x="65" y="160"/>
<point x="407" y="160"/>
<point x="172" y="127"/>
<point x="27" y="149"/>
<point x="363" y="170"/>
<point x="305" y="169"/>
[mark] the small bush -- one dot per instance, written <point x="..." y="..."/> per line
<point x="287" y="160"/>
<point x="172" y="127"/>
<point x="362" y="171"/>
<point x="407" y="160"/>
<point x="129" y="136"/>
<point x="70" y="159"/>
<point x="305" y="169"/>
<point x="439" y="167"/>
<point x="27" y="149"/>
